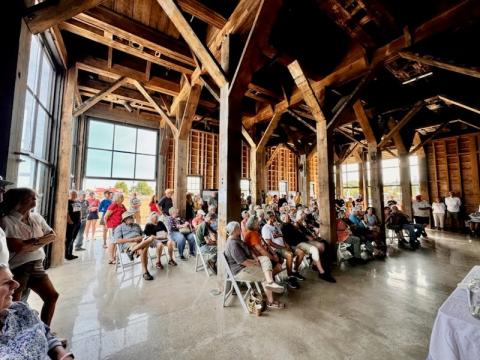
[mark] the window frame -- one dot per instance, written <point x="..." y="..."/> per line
<point x="200" y="183"/>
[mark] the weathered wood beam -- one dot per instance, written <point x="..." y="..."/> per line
<point x="249" y="139"/>
<point x="349" y="152"/>
<point x="200" y="50"/>
<point x="86" y="31"/>
<point x="189" y="111"/>
<point x="157" y="107"/>
<point x="131" y="30"/>
<point x="347" y="135"/>
<point x="44" y="15"/>
<point x="269" y="131"/>
<point x="60" y="45"/>
<point x="145" y="119"/>
<point x="202" y="12"/>
<point x="396" y="128"/>
<point x="302" y="121"/>
<point x="93" y="100"/>
<point x="449" y="101"/>
<point x="427" y="60"/>
<point x="364" y="123"/>
<point x="430" y="137"/>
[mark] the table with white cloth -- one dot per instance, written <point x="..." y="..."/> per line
<point x="456" y="333"/>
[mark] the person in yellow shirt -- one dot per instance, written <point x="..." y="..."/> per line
<point x="268" y="199"/>
<point x="297" y="199"/>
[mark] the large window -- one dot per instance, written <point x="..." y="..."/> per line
<point x="312" y="190"/>
<point x="414" y="175"/>
<point x="282" y="187"/>
<point x="35" y="166"/>
<point x="120" y="152"/>
<point x="245" y="187"/>
<point x="350" y="180"/>
<point x="194" y="184"/>
<point x="391" y="180"/>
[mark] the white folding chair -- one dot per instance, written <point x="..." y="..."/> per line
<point x="200" y="259"/>
<point x="120" y="260"/>
<point x="231" y="285"/>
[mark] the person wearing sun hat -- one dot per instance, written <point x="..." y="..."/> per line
<point x="129" y="237"/>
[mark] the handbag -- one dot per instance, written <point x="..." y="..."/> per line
<point x="185" y="230"/>
<point x="255" y="302"/>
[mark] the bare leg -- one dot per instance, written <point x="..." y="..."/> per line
<point x="94" y="228"/>
<point x="289" y="259"/>
<point x="105" y="235"/>
<point x="269" y="295"/>
<point x="298" y="259"/>
<point x="268" y="276"/>
<point x="159" y="251"/>
<point x="45" y="289"/>
<point x="87" y="228"/>
<point x="171" y="247"/>
<point x="144" y="259"/>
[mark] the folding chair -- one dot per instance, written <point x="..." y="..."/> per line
<point x="231" y="285"/>
<point x="123" y="264"/>
<point x="200" y="259"/>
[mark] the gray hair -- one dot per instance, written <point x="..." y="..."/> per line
<point x="117" y="196"/>
<point x="252" y="223"/>
<point x="172" y="210"/>
<point x="211" y="216"/>
<point x="231" y="227"/>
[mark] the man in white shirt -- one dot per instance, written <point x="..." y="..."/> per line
<point x="421" y="213"/>
<point x="453" y="204"/>
<point x="272" y="234"/>
<point x="438" y="210"/>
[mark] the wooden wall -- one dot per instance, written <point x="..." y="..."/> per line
<point x="203" y="159"/>
<point x="453" y="165"/>
<point x="283" y="167"/>
<point x="312" y="172"/>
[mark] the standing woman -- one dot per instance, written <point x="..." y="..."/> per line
<point x="92" y="218"/>
<point x="113" y="218"/>
<point x="153" y="205"/>
<point x="27" y="233"/>
<point x="189" y="213"/>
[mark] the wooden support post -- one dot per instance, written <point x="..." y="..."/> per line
<point x="303" y="187"/>
<point x="80" y="157"/>
<point x="63" y="168"/>
<point x="338" y="181"/>
<point x="180" y="174"/>
<point x="361" y="179"/>
<point x="422" y="167"/>
<point x="257" y="175"/>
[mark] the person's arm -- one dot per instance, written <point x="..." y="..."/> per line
<point x="58" y="353"/>
<point x="261" y="250"/>
<point x="107" y="215"/>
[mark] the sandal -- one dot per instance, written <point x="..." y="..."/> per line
<point x="172" y="262"/>
<point x="159" y="265"/>
<point x="276" y="305"/>
<point x="111" y="262"/>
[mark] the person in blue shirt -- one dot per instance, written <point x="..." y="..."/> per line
<point x="355" y="219"/>
<point x="104" y="204"/>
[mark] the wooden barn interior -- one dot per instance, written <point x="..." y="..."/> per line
<point x="326" y="98"/>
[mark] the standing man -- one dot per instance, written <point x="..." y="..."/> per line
<point x="104" y="204"/>
<point x="73" y="224"/>
<point x="453" y="204"/>
<point x="166" y="202"/>
<point x="135" y="204"/>
<point x="83" y="221"/>
<point x="421" y="213"/>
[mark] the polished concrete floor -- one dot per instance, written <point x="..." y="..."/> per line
<point x="383" y="310"/>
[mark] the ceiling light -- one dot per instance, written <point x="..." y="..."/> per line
<point x="417" y="78"/>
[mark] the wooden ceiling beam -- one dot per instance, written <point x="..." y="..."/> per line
<point x="45" y="15"/>
<point x="364" y="122"/>
<point x="269" y="130"/>
<point x="449" y="101"/>
<point x="86" y="31"/>
<point x="104" y="111"/>
<point x="427" y="60"/>
<point x="92" y="101"/>
<point x="202" y="12"/>
<point x="60" y="44"/>
<point x="396" y="128"/>
<point x="189" y="111"/>
<point x="129" y="29"/>
<point x="199" y="49"/>
<point x="249" y="139"/>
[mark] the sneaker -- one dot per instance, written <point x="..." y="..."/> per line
<point x="327" y="277"/>
<point x="183" y="258"/>
<point x="292" y="283"/>
<point x="147" y="276"/>
<point x="273" y="286"/>
<point x="298" y="276"/>
<point x="129" y="254"/>
<point x="80" y="249"/>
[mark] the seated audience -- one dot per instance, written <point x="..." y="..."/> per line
<point x="345" y="235"/>
<point x="245" y="268"/>
<point x="272" y="234"/>
<point x="371" y="219"/>
<point x="179" y="231"/>
<point x="207" y="240"/>
<point x="258" y="248"/>
<point x="113" y="218"/>
<point x="23" y="334"/>
<point x="212" y="209"/>
<point x="359" y="229"/>
<point x="243" y="223"/>
<point x="398" y="221"/>
<point x="158" y="230"/>
<point x="198" y="219"/>
<point x="27" y="233"/>
<point x="129" y="238"/>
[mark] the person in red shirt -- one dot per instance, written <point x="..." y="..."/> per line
<point x="254" y="242"/>
<point x="113" y="218"/>
<point x="153" y="205"/>
<point x="344" y="234"/>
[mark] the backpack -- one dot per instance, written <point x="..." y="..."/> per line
<point x="255" y="302"/>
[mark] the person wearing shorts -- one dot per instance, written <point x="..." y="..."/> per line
<point x="92" y="217"/>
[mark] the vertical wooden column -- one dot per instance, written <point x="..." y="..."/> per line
<point x="163" y="140"/>
<point x="303" y="187"/>
<point x="361" y="177"/>
<point x="422" y="167"/>
<point x="79" y="159"/>
<point x="338" y="180"/>
<point x="325" y="186"/>
<point x="374" y="158"/>
<point x="63" y="168"/>
<point x="180" y="174"/>
<point x="257" y="174"/>
<point x="406" y="185"/>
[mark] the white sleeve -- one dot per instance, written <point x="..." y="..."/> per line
<point x="266" y="235"/>
<point x="41" y="221"/>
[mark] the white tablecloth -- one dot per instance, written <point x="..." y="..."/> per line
<point x="456" y="333"/>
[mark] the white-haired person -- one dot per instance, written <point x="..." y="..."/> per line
<point x="179" y="231"/>
<point x="245" y="268"/>
<point x="23" y="334"/>
<point x="158" y="230"/>
<point x="113" y="218"/>
<point x="198" y="219"/>
<point x="128" y="236"/>
<point x="166" y="201"/>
